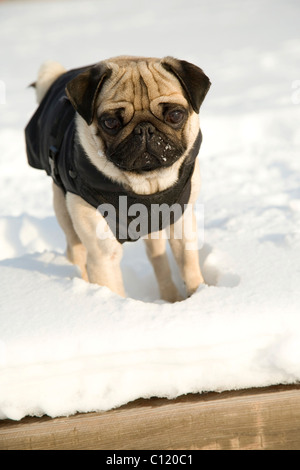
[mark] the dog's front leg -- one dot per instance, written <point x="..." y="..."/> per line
<point x="183" y="238"/>
<point x="156" y="251"/>
<point x="184" y="243"/>
<point x="103" y="253"/>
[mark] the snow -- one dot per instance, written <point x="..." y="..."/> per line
<point x="68" y="346"/>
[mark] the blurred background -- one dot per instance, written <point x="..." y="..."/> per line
<point x="250" y="49"/>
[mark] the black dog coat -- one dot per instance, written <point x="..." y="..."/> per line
<point x="52" y="145"/>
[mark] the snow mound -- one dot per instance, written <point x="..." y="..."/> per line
<point x="68" y="346"/>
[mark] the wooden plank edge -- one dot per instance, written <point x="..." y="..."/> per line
<point x="252" y="419"/>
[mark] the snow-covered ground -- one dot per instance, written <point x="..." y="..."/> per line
<point x="68" y="346"/>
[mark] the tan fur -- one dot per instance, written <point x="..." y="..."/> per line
<point x="124" y="89"/>
<point x="98" y="259"/>
<point x="157" y="180"/>
<point x="103" y="256"/>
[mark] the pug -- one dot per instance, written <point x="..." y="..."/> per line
<point x="120" y="140"/>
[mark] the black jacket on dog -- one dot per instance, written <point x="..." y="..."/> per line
<point x="52" y="145"/>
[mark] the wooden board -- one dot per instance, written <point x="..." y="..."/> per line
<point x="255" y="419"/>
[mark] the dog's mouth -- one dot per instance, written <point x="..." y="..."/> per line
<point x="139" y="157"/>
<point x="143" y="163"/>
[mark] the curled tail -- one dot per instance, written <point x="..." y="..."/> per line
<point x="48" y="73"/>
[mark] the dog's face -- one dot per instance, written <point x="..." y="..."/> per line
<point x="142" y="110"/>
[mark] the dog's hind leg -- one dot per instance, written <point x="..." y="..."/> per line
<point x="76" y="252"/>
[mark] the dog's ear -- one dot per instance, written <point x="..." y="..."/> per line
<point x="83" y="90"/>
<point x="193" y="80"/>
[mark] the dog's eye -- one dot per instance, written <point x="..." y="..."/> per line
<point x="175" y="117"/>
<point x="111" y="124"/>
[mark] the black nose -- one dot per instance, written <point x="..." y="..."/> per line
<point x="144" y="129"/>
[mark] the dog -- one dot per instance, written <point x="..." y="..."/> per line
<point x="123" y="130"/>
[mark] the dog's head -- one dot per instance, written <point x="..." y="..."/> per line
<point x="142" y="110"/>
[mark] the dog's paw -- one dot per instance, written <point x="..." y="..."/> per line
<point x="171" y="294"/>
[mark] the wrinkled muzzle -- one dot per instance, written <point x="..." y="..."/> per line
<point x="145" y="149"/>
